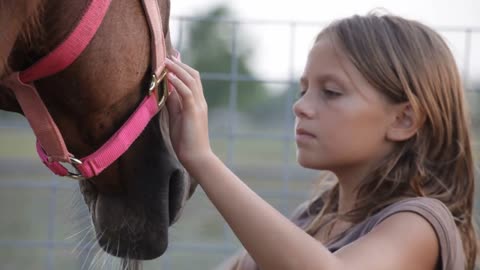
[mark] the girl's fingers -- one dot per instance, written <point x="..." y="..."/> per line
<point x="194" y="73"/>
<point x="189" y="69"/>
<point x="174" y="104"/>
<point x="188" y="75"/>
<point x="181" y="73"/>
<point x="185" y="95"/>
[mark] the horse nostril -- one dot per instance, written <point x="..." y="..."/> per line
<point x="176" y="194"/>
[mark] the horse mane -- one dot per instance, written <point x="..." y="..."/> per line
<point x="19" y="21"/>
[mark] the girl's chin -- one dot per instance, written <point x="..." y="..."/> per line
<point x="307" y="162"/>
<point x="313" y="163"/>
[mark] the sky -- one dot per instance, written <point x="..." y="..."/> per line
<point x="273" y="40"/>
<point x="436" y="12"/>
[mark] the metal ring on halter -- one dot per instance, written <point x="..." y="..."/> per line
<point x="75" y="175"/>
<point x="164" y="87"/>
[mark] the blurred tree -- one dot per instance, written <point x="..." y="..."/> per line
<point x="208" y="48"/>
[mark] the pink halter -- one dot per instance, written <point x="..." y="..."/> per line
<point x="50" y="144"/>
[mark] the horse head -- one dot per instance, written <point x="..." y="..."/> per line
<point x="135" y="199"/>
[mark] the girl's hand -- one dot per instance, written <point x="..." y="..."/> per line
<point x="188" y="115"/>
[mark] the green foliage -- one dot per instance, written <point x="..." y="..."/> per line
<point x="209" y="49"/>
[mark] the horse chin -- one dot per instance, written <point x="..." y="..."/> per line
<point x="134" y="225"/>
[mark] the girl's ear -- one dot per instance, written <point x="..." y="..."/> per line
<point x="405" y="125"/>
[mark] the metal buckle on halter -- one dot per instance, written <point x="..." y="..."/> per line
<point x="77" y="175"/>
<point x="164" y="87"/>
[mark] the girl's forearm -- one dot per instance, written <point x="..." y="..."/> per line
<point x="271" y="239"/>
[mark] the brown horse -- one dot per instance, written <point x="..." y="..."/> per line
<point x="134" y="201"/>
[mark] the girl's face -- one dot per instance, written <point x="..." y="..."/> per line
<point x="341" y="120"/>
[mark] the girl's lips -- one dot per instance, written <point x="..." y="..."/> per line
<point x="302" y="132"/>
<point x="303" y="136"/>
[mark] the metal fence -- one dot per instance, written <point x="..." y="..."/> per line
<point x="209" y="240"/>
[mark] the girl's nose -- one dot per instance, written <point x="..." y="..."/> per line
<point x="302" y="108"/>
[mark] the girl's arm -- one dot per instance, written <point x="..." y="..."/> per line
<point x="403" y="241"/>
<point x="271" y="239"/>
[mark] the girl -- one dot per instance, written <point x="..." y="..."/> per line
<point x="381" y="106"/>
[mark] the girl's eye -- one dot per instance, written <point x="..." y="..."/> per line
<point x="331" y="94"/>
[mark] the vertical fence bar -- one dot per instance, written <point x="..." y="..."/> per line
<point x="232" y="114"/>
<point x="466" y="60"/>
<point x="288" y="120"/>
<point x="179" y="44"/>
<point x="232" y="105"/>
<point x="165" y="262"/>
<point x="52" y="208"/>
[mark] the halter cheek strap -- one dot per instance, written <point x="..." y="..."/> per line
<point x="51" y="147"/>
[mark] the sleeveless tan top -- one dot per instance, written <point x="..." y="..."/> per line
<point x="452" y="256"/>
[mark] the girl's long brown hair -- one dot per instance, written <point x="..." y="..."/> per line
<point x="409" y="62"/>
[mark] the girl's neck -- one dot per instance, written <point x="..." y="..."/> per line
<point x="346" y="198"/>
<point x="349" y="180"/>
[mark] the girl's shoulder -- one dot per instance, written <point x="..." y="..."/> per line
<point x="432" y="210"/>
<point x="425" y="206"/>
